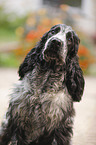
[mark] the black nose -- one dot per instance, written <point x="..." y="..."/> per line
<point x="55" y="44"/>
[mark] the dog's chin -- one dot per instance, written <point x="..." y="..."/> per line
<point x="50" y="56"/>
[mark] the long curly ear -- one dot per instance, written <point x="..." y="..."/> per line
<point x="32" y="57"/>
<point x="74" y="80"/>
<point x="76" y="43"/>
<point x="28" y="63"/>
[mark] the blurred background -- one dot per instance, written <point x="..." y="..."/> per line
<point x="22" y="24"/>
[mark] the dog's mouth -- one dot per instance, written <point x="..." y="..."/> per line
<point x="53" y="49"/>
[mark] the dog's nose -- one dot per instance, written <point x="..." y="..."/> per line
<point x="56" y="42"/>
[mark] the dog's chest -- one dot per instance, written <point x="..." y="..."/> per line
<point x="54" y="98"/>
<point x="54" y="106"/>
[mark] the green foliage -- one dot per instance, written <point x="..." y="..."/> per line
<point x="7" y="35"/>
<point x="10" y="21"/>
<point x="8" y="25"/>
<point x="8" y="60"/>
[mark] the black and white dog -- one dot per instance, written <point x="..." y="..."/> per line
<point x="41" y="107"/>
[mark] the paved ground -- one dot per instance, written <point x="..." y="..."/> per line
<point x="8" y="46"/>
<point x="85" y="119"/>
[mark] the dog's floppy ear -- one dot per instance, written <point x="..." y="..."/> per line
<point x="32" y="57"/>
<point x="76" y="43"/>
<point x="74" y="80"/>
<point x="28" y="63"/>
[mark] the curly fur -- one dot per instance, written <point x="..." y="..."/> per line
<point x="41" y="107"/>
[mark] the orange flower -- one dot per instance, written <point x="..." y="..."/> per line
<point x="31" y="35"/>
<point x="64" y="7"/>
<point x="45" y="21"/>
<point x="41" y="30"/>
<point x="83" y="51"/>
<point x="84" y="56"/>
<point x="18" y="51"/>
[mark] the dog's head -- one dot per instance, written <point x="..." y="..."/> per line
<point x="56" y="45"/>
<point x="61" y="42"/>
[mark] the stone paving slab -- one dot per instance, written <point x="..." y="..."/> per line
<point x="85" y="119"/>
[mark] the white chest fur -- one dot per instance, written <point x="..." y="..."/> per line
<point x="54" y="107"/>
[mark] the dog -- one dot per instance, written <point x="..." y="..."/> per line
<point x="41" y="108"/>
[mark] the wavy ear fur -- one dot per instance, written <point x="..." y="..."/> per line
<point x="76" y="43"/>
<point x="28" y="63"/>
<point x="74" y="75"/>
<point x="74" y="79"/>
<point x="32" y="58"/>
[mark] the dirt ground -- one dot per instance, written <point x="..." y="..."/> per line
<point x="85" y="119"/>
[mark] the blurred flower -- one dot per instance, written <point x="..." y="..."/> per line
<point x="18" y="51"/>
<point x="31" y="21"/>
<point x="42" y="12"/>
<point x="31" y="35"/>
<point x="85" y="57"/>
<point x="64" y="7"/>
<point x="45" y="21"/>
<point x="19" y="31"/>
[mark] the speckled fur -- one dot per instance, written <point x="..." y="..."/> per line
<point x="41" y="107"/>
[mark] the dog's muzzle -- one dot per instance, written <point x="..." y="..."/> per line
<point x="53" y="48"/>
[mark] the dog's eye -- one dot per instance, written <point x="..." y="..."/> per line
<point x="53" y="32"/>
<point x="69" y="40"/>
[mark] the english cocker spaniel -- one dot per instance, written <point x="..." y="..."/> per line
<point x="41" y="107"/>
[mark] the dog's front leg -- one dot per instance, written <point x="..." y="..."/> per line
<point x="63" y="133"/>
<point x="11" y="135"/>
